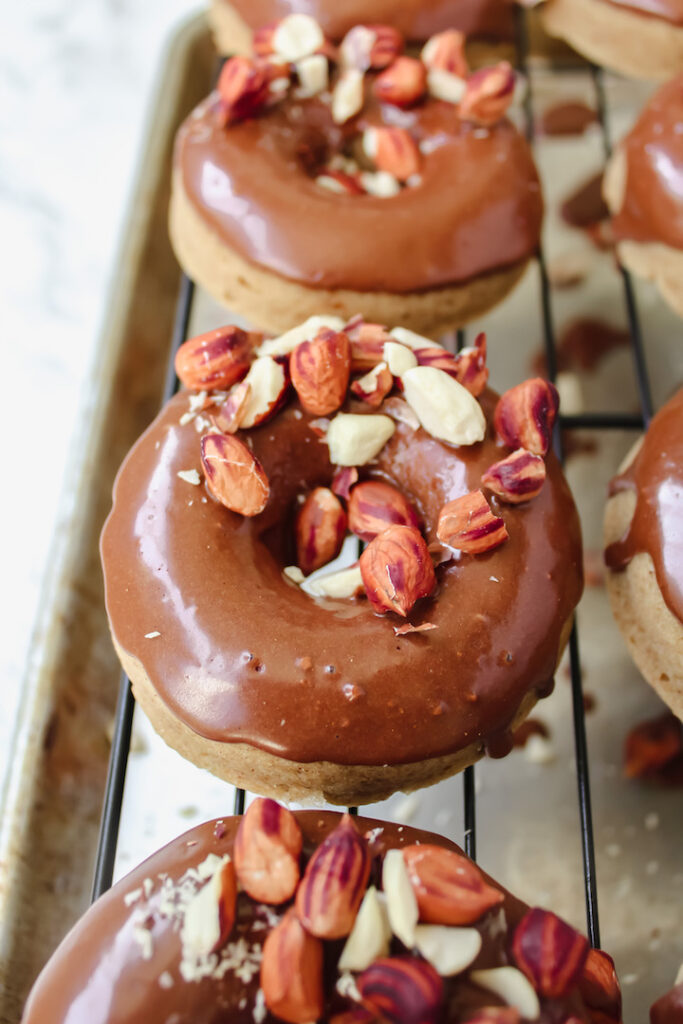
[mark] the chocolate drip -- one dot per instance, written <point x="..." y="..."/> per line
<point x="656" y="478"/>
<point x="415" y="19"/>
<point x="477" y="208"/>
<point x="652" y="210"/>
<point x="233" y="631"/>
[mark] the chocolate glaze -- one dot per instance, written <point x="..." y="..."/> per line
<point x="652" y="210"/>
<point x="477" y="209"/>
<point x="668" y="10"/>
<point x="98" y="976"/>
<point x="668" y="1009"/>
<point x="585" y="207"/>
<point x="415" y="19"/>
<point x="656" y="476"/>
<point x="569" y="118"/>
<point x="234" y="632"/>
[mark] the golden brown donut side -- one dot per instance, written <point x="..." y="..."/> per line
<point x="619" y="38"/>
<point x="127" y="960"/>
<point x="277" y="303"/>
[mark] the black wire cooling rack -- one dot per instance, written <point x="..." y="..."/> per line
<point x="106" y="852"/>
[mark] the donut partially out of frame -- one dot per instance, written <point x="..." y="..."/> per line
<point x="644" y="553"/>
<point x="281" y="917"/>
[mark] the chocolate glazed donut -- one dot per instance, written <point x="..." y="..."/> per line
<point x="233" y="21"/>
<point x="642" y="188"/>
<point x="644" y="552"/>
<point x="133" y="958"/>
<point x="307" y="698"/>
<point x="251" y="222"/>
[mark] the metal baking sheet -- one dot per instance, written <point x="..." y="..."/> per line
<point x="527" y="822"/>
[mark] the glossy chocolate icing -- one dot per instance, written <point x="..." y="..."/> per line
<point x="656" y="476"/>
<point x="415" y="19"/>
<point x="477" y="209"/>
<point x="235" y="633"/>
<point x="652" y="210"/>
<point x="98" y="975"/>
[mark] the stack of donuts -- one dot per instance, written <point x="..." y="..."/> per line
<point x="340" y="564"/>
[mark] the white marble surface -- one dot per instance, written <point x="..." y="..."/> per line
<point x="75" y="79"/>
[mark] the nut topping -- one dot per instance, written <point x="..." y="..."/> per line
<point x="473" y="373"/>
<point x="399" y="358"/>
<point x="439" y="358"/>
<point x="354" y="439"/>
<point x="370" y="47"/>
<point x="297" y="36"/>
<point x="549" y="952"/>
<point x="599" y="986"/>
<point x="210" y="914"/>
<point x="517" y="478"/>
<point x="347" y="96"/>
<point x="231" y="413"/>
<point x="525" y="415"/>
<point x="488" y="94"/>
<point x="339" y="182"/>
<point x="234" y="475"/>
<point x="292" y="972"/>
<point x="320" y="371"/>
<point x="341" y="584"/>
<point x="510" y="985"/>
<point x="343" y="480"/>
<point x="393" y="150"/>
<point x="403" y="83"/>
<point x="450" y="889"/>
<point x="443" y="406"/>
<point x="367" y="343"/>
<point x="215" y="360"/>
<point x="268" y="385"/>
<point x="370" y="935"/>
<point x="402" y="990"/>
<point x="401" y="903"/>
<point x="374" y="506"/>
<point x="320" y="530"/>
<point x="374" y="386"/>
<point x="468" y="524"/>
<point x="288" y="341"/>
<point x="243" y="88"/>
<point x="267" y="850"/>
<point x="332" y="888"/>
<point x="449" y="950"/>
<point x="446" y="51"/>
<point x="397" y="570"/>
